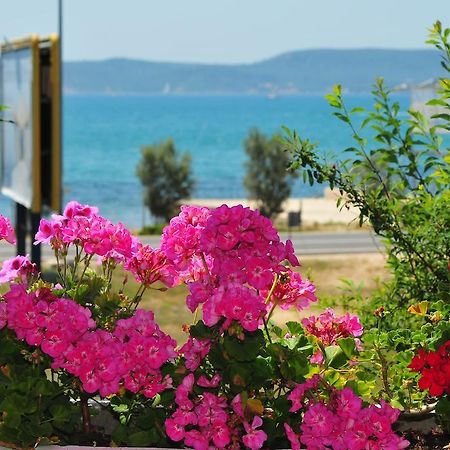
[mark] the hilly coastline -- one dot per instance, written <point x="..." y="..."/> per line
<point x="306" y="71"/>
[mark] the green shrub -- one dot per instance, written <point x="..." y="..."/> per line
<point x="397" y="174"/>
<point x="167" y="178"/>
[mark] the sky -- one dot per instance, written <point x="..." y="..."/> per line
<point x="221" y="31"/>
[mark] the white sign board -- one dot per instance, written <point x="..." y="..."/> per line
<point x="16" y="140"/>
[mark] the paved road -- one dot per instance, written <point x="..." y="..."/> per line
<point x="307" y="243"/>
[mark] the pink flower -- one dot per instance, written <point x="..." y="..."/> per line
<point x="174" y="430"/>
<point x="7" y="230"/>
<point x="180" y="240"/>
<point x="317" y="426"/>
<point x="74" y="209"/>
<point x="342" y="422"/>
<point x="82" y="226"/>
<point x="328" y="327"/>
<point x="197" y="440"/>
<point x="212" y="383"/>
<point x="292" y="291"/>
<point x="259" y="274"/>
<point x="19" y="268"/>
<point x="50" y="232"/>
<point x="237" y="406"/>
<point x="298" y="393"/>
<point x="211" y="410"/>
<point x="3" y="315"/>
<point x="348" y="404"/>
<point x="221" y="435"/>
<point x="254" y="439"/>
<point x="292" y="437"/>
<point x="194" y="351"/>
<point x="149" y="266"/>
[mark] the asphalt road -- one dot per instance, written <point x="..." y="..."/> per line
<point x="307" y="243"/>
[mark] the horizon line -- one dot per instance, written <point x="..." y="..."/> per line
<point x="313" y="49"/>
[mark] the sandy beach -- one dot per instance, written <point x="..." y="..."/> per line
<point x="321" y="210"/>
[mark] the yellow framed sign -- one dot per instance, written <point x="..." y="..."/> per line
<point x="30" y="163"/>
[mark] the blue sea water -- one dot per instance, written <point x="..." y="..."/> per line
<point x="103" y="136"/>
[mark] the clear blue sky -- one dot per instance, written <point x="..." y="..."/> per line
<point x="222" y="31"/>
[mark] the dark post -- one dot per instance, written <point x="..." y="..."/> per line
<point x="35" y="249"/>
<point x="21" y="229"/>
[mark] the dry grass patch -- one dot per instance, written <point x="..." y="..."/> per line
<point x="326" y="271"/>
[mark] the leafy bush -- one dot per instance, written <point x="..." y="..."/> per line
<point x="167" y="178"/>
<point x="398" y="175"/>
<point x="267" y="179"/>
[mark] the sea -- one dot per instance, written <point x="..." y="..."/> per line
<point x="103" y="136"/>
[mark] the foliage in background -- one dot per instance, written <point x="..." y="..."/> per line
<point x="397" y="174"/>
<point x="267" y="179"/>
<point x="152" y="230"/>
<point x="167" y="178"/>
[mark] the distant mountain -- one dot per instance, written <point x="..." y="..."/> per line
<point x="305" y="71"/>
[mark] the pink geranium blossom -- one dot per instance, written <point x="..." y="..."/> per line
<point x="19" y="268"/>
<point x="81" y="225"/>
<point x="328" y="328"/>
<point x="341" y="422"/>
<point x="3" y="315"/>
<point x="7" y="230"/>
<point x="254" y="439"/>
<point x="149" y="266"/>
<point x="292" y="291"/>
<point x="292" y="437"/>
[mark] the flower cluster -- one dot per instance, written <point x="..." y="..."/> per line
<point x="19" y="268"/>
<point x="206" y="420"/>
<point x="7" y="230"/>
<point x="244" y="245"/>
<point x="180" y="241"/>
<point x="292" y="291"/>
<point x="41" y="318"/>
<point x="236" y="270"/>
<point x="194" y="351"/>
<point x="342" y="422"/>
<point x="434" y="368"/>
<point x="230" y="258"/>
<point x="328" y="328"/>
<point x="82" y="226"/>
<point x="150" y="265"/>
<point x="131" y="355"/>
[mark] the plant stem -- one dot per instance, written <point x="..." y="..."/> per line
<point x="267" y="330"/>
<point x="275" y="280"/>
<point x="85" y="413"/>
<point x="384" y="372"/>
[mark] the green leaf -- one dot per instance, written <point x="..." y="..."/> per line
<point x="247" y="349"/>
<point x="335" y="357"/>
<point x="348" y="346"/>
<point x="357" y="110"/>
<point x="200" y="331"/>
<point x="123" y="408"/>
<point x="294" y="327"/>
<point x="143" y="438"/>
<point x="61" y="413"/>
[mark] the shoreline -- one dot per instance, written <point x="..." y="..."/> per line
<point x="314" y="211"/>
